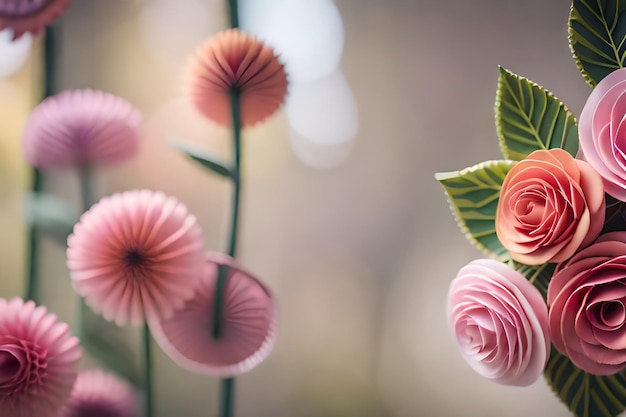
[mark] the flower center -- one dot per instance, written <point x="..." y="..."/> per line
<point x="136" y="262"/>
<point x="9" y="366"/>
<point x="612" y="313"/>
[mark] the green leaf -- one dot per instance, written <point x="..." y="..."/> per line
<point x="50" y="215"/>
<point x="473" y="194"/>
<point x="538" y="275"/>
<point x="529" y="117"/>
<point x="208" y="161"/>
<point x="597" y="29"/>
<point x="584" y="394"/>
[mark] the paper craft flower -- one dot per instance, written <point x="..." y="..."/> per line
<point x="235" y="60"/>
<point x="38" y="360"/>
<point x="249" y="324"/>
<point x="550" y="206"/>
<point x="80" y="127"/>
<point x="100" y="394"/>
<point x="30" y="15"/>
<point x="602" y="133"/>
<point x="500" y="322"/>
<point x="136" y="254"/>
<point x="586" y="300"/>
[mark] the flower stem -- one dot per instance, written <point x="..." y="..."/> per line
<point x="234" y="13"/>
<point x="147" y="357"/>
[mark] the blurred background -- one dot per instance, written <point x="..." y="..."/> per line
<point x="342" y="216"/>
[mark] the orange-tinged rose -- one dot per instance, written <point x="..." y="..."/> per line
<point x="550" y="206"/>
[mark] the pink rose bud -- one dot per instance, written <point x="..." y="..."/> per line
<point x="500" y="322"/>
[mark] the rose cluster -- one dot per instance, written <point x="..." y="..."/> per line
<point x="554" y="208"/>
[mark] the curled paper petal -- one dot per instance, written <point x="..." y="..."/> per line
<point x="136" y="255"/>
<point x="249" y="325"/>
<point x="30" y="15"/>
<point x="79" y="127"/>
<point x="235" y="60"/>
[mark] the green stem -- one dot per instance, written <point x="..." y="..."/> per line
<point x="147" y="368"/>
<point x="234" y="13"/>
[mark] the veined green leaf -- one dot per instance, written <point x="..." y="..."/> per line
<point x="538" y="275"/>
<point x="473" y="194"/>
<point x="597" y="33"/>
<point x="208" y="161"/>
<point x="529" y="118"/>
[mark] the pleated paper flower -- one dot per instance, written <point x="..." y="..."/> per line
<point x="235" y="60"/>
<point x="248" y="328"/>
<point x="136" y="255"/>
<point x="38" y="360"/>
<point x="100" y="394"/>
<point x="30" y="15"/>
<point x="79" y="127"/>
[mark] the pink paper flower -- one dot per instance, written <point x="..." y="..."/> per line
<point x="100" y="394"/>
<point x="249" y="324"/>
<point x="500" y="322"/>
<point x="586" y="299"/>
<point x="136" y="254"/>
<point x="38" y="360"/>
<point x="602" y="133"/>
<point x="30" y="15"/>
<point x="80" y="127"/>
<point x="550" y="206"/>
<point x="233" y="59"/>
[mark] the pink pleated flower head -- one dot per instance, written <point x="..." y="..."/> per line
<point x="101" y="394"/>
<point x="38" y="360"/>
<point x="30" y="15"/>
<point x="249" y="324"/>
<point x="235" y="60"/>
<point x="136" y="255"/>
<point x="81" y="127"/>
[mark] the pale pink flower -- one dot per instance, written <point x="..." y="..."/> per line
<point x="30" y="15"/>
<point x="233" y="59"/>
<point x="550" y="206"/>
<point x="587" y="299"/>
<point x="249" y="324"/>
<point x="100" y="394"/>
<point x="80" y="127"/>
<point x="38" y="360"/>
<point x="500" y="322"/>
<point x="136" y="254"/>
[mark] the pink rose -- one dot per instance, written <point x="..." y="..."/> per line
<point x="602" y="133"/>
<point x="500" y="322"/>
<point x="550" y="206"/>
<point x="587" y="313"/>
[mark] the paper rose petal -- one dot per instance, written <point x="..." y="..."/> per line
<point x="249" y="327"/>
<point x="38" y="360"/>
<point x="30" y="15"/>
<point x="233" y="59"/>
<point x="136" y="254"/>
<point x="100" y="394"/>
<point x="78" y="127"/>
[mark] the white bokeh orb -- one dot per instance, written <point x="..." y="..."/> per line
<point x="13" y="53"/>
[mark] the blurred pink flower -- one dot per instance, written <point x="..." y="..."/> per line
<point x="79" y="127"/>
<point x="550" y="206"/>
<point x="249" y="324"/>
<point x="233" y="59"/>
<point x="38" y="360"/>
<point x="500" y="322"/>
<point x="136" y="255"/>
<point x="30" y="15"/>
<point x="602" y="133"/>
<point x="587" y="299"/>
<point x="100" y="394"/>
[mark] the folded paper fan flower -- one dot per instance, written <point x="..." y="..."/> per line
<point x="38" y="360"/>
<point x="248" y="328"/>
<point x="235" y="60"/>
<point x="136" y="255"/>
<point x="30" y="15"/>
<point x="100" y="394"/>
<point x="79" y="127"/>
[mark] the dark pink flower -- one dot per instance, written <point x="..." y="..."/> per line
<point x="136" y="254"/>
<point x="80" y="127"/>
<point x="30" y="15"/>
<point x="587" y="306"/>
<point x="100" y="394"/>
<point x="249" y="324"/>
<point x="233" y="59"/>
<point x="500" y="322"/>
<point x="38" y="360"/>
